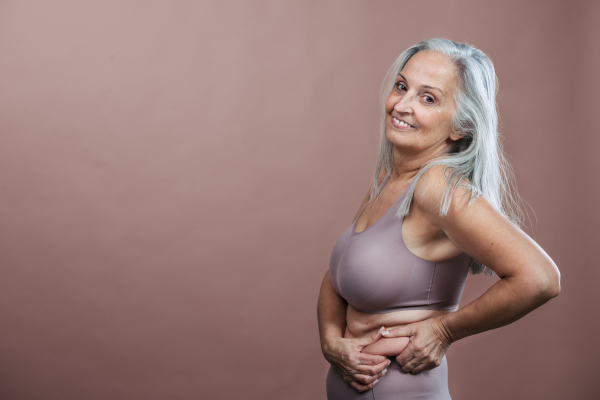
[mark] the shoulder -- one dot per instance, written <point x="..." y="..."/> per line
<point x="430" y="191"/>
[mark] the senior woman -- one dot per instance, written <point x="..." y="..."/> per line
<point x="440" y="206"/>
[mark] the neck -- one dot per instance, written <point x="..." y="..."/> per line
<point x="408" y="164"/>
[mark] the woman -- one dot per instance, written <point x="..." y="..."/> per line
<point x="440" y="206"/>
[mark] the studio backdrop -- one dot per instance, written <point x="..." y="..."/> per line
<point x="174" y="175"/>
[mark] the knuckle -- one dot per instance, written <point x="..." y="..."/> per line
<point x="373" y="361"/>
<point x="363" y="389"/>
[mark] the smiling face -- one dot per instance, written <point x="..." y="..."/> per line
<point x="419" y="108"/>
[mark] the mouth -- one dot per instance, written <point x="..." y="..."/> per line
<point x="398" y="123"/>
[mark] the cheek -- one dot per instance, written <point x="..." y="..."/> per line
<point x="388" y="105"/>
<point x="391" y="101"/>
<point x="436" y="119"/>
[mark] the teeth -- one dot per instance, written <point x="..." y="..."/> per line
<point x="402" y="123"/>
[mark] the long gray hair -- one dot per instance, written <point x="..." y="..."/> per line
<point x="477" y="155"/>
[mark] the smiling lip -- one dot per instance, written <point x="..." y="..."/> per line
<point x="399" y="126"/>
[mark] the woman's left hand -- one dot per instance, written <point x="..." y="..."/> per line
<point x="428" y="343"/>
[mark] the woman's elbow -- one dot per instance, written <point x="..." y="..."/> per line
<point x="550" y="282"/>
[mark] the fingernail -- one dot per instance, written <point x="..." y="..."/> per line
<point x="380" y="329"/>
<point x="384" y="371"/>
<point x="385" y="332"/>
<point x="389" y="362"/>
<point x="375" y="382"/>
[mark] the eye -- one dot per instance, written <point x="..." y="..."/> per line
<point x="429" y="99"/>
<point x="400" y="86"/>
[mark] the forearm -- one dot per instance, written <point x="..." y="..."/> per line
<point x="331" y="314"/>
<point x="506" y="301"/>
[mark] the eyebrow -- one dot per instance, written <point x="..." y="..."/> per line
<point x="425" y="86"/>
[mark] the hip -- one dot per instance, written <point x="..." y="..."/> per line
<point x="396" y="384"/>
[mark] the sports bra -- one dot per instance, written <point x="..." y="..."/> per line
<point x="374" y="271"/>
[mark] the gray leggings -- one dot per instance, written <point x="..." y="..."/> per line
<point x="395" y="384"/>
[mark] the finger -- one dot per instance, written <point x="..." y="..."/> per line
<point x="359" y="387"/>
<point x="367" y="340"/>
<point x="374" y="369"/>
<point x="407" y="362"/>
<point x="366" y="379"/>
<point x="356" y="385"/>
<point x="431" y="364"/>
<point x="363" y="388"/>
<point x="370" y="359"/>
<point x="411" y="365"/>
<point x="401" y="331"/>
<point x="406" y="356"/>
<point x="418" y="368"/>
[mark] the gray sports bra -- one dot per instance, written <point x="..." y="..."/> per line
<point x="374" y="271"/>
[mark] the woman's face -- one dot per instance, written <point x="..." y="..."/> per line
<point x="422" y="98"/>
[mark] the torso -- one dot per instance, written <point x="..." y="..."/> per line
<point x="422" y="237"/>
<point x="360" y="324"/>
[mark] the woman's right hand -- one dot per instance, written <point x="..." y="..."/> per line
<point x="361" y="371"/>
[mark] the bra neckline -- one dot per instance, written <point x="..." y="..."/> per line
<point x="393" y="206"/>
<point x="353" y="226"/>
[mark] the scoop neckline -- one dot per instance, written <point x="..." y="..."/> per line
<point x="353" y="226"/>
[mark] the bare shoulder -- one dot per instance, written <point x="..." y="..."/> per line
<point x="431" y="188"/>
<point x="481" y="230"/>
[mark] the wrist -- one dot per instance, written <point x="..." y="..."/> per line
<point x="443" y="330"/>
<point x="329" y="345"/>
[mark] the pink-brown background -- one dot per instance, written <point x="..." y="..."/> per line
<point x="174" y="175"/>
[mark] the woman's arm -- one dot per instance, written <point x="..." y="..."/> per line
<point x="359" y="370"/>
<point x="528" y="276"/>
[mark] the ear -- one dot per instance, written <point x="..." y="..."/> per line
<point x="455" y="135"/>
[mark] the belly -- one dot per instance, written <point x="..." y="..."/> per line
<point x="360" y="324"/>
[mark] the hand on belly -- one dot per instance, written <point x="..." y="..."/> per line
<point x="389" y="347"/>
<point x="360" y="324"/>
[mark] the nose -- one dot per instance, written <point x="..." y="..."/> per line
<point x="403" y="104"/>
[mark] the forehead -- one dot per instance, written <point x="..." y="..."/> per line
<point x="431" y="69"/>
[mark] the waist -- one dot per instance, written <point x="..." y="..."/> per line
<point x="360" y="324"/>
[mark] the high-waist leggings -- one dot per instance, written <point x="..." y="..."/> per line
<point x="395" y="384"/>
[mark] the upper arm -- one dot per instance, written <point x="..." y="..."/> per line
<point x="484" y="233"/>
